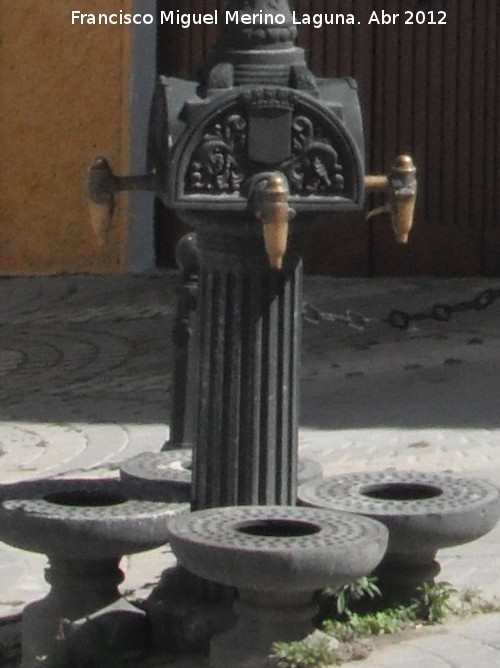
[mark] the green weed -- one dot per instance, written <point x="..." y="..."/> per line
<point x="300" y="654"/>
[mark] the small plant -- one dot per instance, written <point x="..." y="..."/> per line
<point x="431" y="605"/>
<point x="302" y="654"/>
<point x="347" y="595"/>
<point x="434" y="602"/>
<point x="391" y="620"/>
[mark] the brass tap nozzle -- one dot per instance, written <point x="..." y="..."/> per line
<point x="401" y="186"/>
<point x="102" y="185"/>
<point x="271" y="208"/>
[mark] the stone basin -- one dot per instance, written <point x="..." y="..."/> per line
<point x="84" y="527"/>
<point x="80" y="518"/>
<point x="423" y="512"/>
<point x="277" y="557"/>
<point x="166" y="476"/>
<point x="276" y="547"/>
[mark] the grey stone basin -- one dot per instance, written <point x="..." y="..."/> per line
<point x="80" y="519"/>
<point x="166" y="476"/>
<point x="277" y="556"/>
<point x="424" y="512"/>
<point x="276" y="547"/>
<point x="84" y="527"/>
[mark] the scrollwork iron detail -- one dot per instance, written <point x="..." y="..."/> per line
<point x="220" y="163"/>
<point x="315" y="167"/>
<point x="217" y="163"/>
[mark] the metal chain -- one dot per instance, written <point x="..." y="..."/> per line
<point x="443" y="312"/>
<point x="402" y="319"/>
<point x="314" y="316"/>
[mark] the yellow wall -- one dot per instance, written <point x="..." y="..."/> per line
<point x="64" y="94"/>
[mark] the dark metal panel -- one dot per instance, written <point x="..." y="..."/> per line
<point x="313" y="37"/>
<point x="491" y="159"/>
<point x="433" y="121"/>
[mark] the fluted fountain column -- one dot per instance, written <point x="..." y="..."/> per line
<point x="248" y="337"/>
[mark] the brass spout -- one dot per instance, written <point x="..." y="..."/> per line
<point x="102" y="185"/>
<point x="401" y="186"/>
<point x="101" y="188"/>
<point x="271" y="208"/>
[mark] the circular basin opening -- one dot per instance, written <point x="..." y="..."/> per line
<point x="279" y="528"/>
<point x="401" y="491"/>
<point x="85" y="498"/>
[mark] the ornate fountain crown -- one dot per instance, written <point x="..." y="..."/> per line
<point x="263" y="99"/>
<point x="268" y="22"/>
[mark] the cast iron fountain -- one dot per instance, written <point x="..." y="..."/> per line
<point x="249" y="156"/>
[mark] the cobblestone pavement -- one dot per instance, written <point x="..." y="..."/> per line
<point x="85" y="365"/>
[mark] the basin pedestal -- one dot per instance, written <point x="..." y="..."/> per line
<point x="84" y="604"/>
<point x="263" y="618"/>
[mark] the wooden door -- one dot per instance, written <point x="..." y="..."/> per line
<point x="426" y="88"/>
